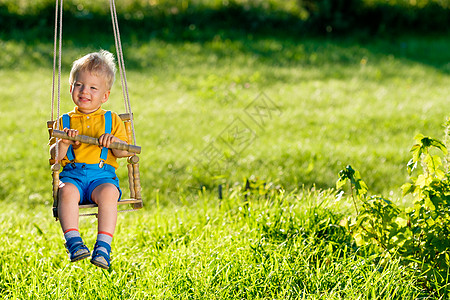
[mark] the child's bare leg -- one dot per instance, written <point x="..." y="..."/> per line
<point x="106" y="196"/>
<point x="69" y="197"/>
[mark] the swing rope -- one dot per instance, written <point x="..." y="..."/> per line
<point x="134" y="179"/>
<point x="54" y="60"/>
<point x="120" y="62"/>
<point x="59" y="43"/>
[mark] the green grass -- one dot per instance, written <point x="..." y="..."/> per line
<point x="276" y="248"/>
<point x="340" y="102"/>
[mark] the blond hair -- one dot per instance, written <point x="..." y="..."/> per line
<point x="100" y="63"/>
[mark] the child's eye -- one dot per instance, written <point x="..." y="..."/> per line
<point x="94" y="88"/>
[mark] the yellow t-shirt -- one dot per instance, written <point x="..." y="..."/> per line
<point x="93" y="125"/>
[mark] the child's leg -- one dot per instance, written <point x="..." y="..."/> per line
<point x="106" y="196"/>
<point x="69" y="197"/>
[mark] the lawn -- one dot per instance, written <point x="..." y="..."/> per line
<point x="328" y="103"/>
<point x="288" y="111"/>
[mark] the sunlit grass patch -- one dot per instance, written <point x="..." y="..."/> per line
<point x="332" y="103"/>
<point x="268" y="246"/>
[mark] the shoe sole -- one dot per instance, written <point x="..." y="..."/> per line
<point x="80" y="257"/>
<point x="99" y="264"/>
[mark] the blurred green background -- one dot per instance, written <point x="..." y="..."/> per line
<point x="283" y="93"/>
<point x="347" y="82"/>
<point x="293" y="16"/>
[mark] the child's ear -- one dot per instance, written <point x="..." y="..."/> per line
<point x="70" y="88"/>
<point x="106" y="96"/>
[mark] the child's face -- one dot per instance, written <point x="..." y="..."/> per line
<point x="89" y="92"/>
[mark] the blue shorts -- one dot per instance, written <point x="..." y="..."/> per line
<point x="86" y="177"/>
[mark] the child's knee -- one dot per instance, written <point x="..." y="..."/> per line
<point x="105" y="191"/>
<point x="68" y="191"/>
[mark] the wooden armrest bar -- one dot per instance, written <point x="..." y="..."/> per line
<point x="93" y="141"/>
<point x="125" y="117"/>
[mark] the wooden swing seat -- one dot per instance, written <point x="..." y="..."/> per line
<point x="135" y="204"/>
<point x="135" y="199"/>
<point x="132" y="202"/>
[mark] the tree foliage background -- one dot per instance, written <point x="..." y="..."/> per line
<point x="172" y="17"/>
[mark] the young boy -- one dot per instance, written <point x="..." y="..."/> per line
<point x="88" y="174"/>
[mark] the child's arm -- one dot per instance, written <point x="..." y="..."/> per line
<point x="63" y="145"/>
<point x="106" y="139"/>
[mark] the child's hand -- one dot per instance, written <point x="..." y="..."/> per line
<point x="106" y="139"/>
<point x="71" y="133"/>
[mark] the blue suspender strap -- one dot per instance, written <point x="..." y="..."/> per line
<point x="66" y="124"/>
<point x="108" y="128"/>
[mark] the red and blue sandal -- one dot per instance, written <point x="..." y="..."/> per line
<point x="77" y="249"/>
<point x="100" y="258"/>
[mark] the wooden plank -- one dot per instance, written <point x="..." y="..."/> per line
<point x="121" y="202"/>
<point x="93" y="141"/>
<point x="125" y="117"/>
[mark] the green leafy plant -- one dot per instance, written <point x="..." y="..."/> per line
<point x="377" y="219"/>
<point x="419" y="235"/>
<point x="429" y="218"/>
